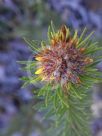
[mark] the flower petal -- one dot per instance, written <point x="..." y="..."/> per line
<point x="39" y="58"/>
<point x="39" y="71"/>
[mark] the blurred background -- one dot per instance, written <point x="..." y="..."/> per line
<point x="30" y="18"/>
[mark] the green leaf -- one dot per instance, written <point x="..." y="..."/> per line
<point x="82" y="35"/>
<point x="75" y="35"/>
<point x="32" y="45"/>
<point x="55" y="99"/>
<point x="75" y="92"/>
<point x="94" y="63"/>
<point x="48" y="92"/>
<point x="43" y="44"/>
<point x="62" y="98"/>
<point x="22" y="62"/>
<point x="49" y="33"/>
<point x="92" y="50"/>
<point x="43" y="90"/>
<point x="85" y="40"/>
<point x="52" y="27"/>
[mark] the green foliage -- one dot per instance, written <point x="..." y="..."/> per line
<point x="67" y="109"/>
<point x="37" y="15"/>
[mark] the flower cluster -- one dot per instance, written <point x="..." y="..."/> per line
<point x="62" y="61"/>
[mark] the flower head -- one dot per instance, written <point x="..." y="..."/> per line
<point x="63" y="60"/>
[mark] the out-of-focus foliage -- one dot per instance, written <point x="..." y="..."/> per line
<point x="25" y="18"/>
<point x="30" y="18"/>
